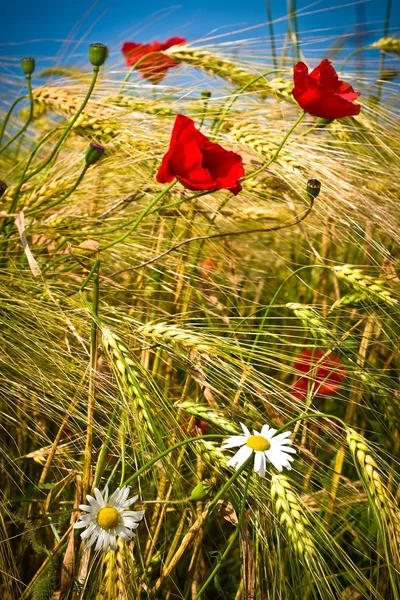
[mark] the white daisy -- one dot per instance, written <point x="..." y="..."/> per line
<point x="107" y="517"/>
<point x="265" y="445"/>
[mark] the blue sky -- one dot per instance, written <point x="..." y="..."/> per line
<point x="40" y="27"/>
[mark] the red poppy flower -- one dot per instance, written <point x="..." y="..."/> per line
<point x="198" y="163"/>
<point x="322" y="94"/>
<point x="207" y="266"/>
<point x="324" y="380"/>
<point x="155" y="66"/>
<point x="199" y="426"/>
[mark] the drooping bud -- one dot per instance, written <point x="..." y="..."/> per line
<point x="3" y="187"/>
<point x="98" y="54"/>
<point x="313" y="188"/>
<point x="28" y="65"/>
<point x="93" y="153"/>
<point x="205" y="94"/>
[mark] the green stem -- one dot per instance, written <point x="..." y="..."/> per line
<point x="198" y="238"/>
<point x="140" y="217"/>
<point x="103" y="452"/>
<point x="123" y="448"/>
<point x="21" y="131"/>
<point x="8" y="115"/>
<point x="89" y="276"/>
<point x="228" y="484"/>
<point x="382" y="61"/>
<point x="92" y="386"/>
<point x="274" y="156"/>
<point x="295" y="29"/>
<point x="272" y="34"/>
<point x="213" y="436"/>
<point x="353" y="53"/>
<point x="310" y="416"/>
<point x="216" y="127"/>
<point x="63" y="138"/>
<point x="14" y="201"/>
<point x="204" y="113"/>
<point x="271" y="304"/>
<point x="148" y="212"/>
<point x="234" y="537"/>
<point x="40" y="209"/>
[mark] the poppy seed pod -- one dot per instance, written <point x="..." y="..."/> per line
<point x="3" y="187"/>
<point x="313" y="188"/>
<point x="98" y="54"/>
<point x="93" y="153"/>
<point x="28" y="65"/>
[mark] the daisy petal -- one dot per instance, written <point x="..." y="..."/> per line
<point x="113" y="541"/>
<point x="257" y="461"/>
<point x="93" y="502"/>
<point x="130" y="501"/>
<point x="282" y="436"/>
<point x="99" y="497"/>
<point x="242" y="455"/>
<point x="268" y="432"/>
<point x="245" y="430"/>
<point x="88" y="532"/>
<point x="261" y="471"/>
<point x="80" y="524"/>
<point x="113" y="499"/>
<point x="234" y="441"/>
<point x="135" y="514"/>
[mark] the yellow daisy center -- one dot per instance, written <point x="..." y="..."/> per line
<point x="108" y="517"/>
<point x="258" y="443"/>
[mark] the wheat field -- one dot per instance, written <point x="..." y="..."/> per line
<point x="143" y="323"/>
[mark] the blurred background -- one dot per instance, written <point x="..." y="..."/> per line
<point x="59" y="32"/>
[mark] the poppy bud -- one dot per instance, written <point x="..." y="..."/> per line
<point x="201" y="490"/>
<point x="28" y="66"/>
<point x="3" y="187"/>
<point x="206" y="94"/>
<point x="98" y="54"/>
<point x="313" y="188"/>
<point x="93" y="153"/>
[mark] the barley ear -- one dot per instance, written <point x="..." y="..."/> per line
<point x="291" y="514"/>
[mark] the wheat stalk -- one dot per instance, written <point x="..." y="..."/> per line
<point x="291" y="513"/>
<point x="209" y="415"/>
<point x="313" y="322"/>
<point x="356" y="279"/>
<point x="119" y="573"/>
<point x="373" y="480"/>
<point x="220" y="66"/>
<point x="170" y="334"/>
<point x="130" y="375"/>
<point x="249" y="135"/>
<point x="387" y="44"/>
<point x="96" y="122"/>
<point x="353" y="300"/>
